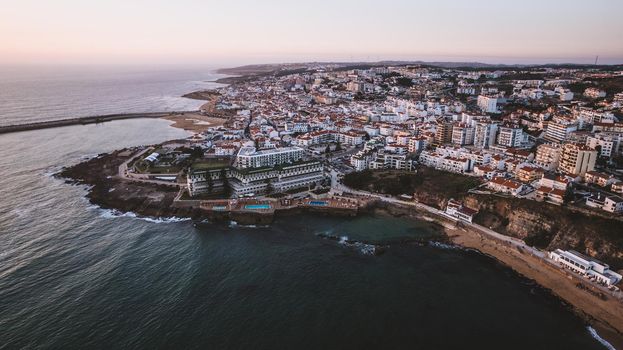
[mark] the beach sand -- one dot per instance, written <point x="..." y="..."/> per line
<point x="194" y="122"/>
<point x="606" y="316"/>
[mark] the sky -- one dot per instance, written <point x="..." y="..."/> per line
<point x="271" y="31"/>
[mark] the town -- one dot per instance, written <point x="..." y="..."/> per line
<point x="545" y="134"/>
<point x="297" y="137"/>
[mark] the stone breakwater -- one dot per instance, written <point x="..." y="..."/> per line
<point x="83" y="121"/>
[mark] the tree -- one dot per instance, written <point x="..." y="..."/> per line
<point x="328" y="149"/>
<point x="568" y="196"/>
<point x="226" y="185"/>
<point x="210" y="182"/>
<point x="196" y="152"/>
<point x="269" y="187"/>
<point x="338" y="147"/>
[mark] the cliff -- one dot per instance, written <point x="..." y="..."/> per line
<point x="543" y="225"/>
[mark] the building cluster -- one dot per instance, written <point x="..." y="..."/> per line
<point x="528" y="133"/>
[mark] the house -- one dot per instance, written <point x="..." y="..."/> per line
<point x="596" y="200"/>
<point x="485" y="171"/>
<point x="613" y="204"/>
<point x="550" y="195"/>
<point x="554" y="181"/>
<point x="458" y="210"/>
<point x="617" y="187"/>
<point x="527" y="173"/>
<point x="502" y="185"/>
<point x="600" y="179"/>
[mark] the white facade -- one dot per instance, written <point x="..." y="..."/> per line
<point x="586" y="266"/>
<point x="249" y="157"/>
<point x="488" y="104"/>
<point x="510" y="136"/>
<point x="485" y="134"/>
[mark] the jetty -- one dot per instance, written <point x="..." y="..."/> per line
<point x="85" y="120"/>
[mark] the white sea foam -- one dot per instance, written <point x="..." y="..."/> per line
<point x="603" y="341"/>
<point x="112" y="213"/>
<point x="445" y="246"/>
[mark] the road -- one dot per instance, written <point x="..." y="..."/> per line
<point x="123" y="172"/>
<point x="336" y="186"/>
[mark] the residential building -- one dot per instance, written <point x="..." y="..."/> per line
<point x="485" y="134"/>
<point x="462" y="134"/>
<point x="576" y="159"/>
<point x="443" y="133"/>
<point x="510" y="136"/>
<point x="458" y="210"/>
<point x="499" y="184"/>
<point x="488" y="104"/>
<point x="559" y="131"/>
<point x="249" y="157"/>
<point x="548" y="156"/>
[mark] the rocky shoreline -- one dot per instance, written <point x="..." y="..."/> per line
<point x="108" y="191"/>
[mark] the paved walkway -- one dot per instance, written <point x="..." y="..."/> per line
<point x="518" y="243"/>
<point x="123" y="172"/>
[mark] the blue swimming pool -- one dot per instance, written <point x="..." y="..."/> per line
<point x="318" y="203"/>
<point x="257" y="206"/>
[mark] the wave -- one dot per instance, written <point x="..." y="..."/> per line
<point x="448" y="246"/>
<point x="445" y="246"/>
<point x="601" y="340"/>
<point x="234" y="224"/>
<point x="113" y="213"/>
<point x="361" y="247"/>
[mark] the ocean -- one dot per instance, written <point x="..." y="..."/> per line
<point x="42" y="93"/>
<point x="76" y="276"/>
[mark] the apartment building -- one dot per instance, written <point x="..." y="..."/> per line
<point x="559" y="131"/>
<point x="548" y="156"/>
<point x="462" y="134"/>
<point x="576" y="159"/>
<point x="488" y="104"/>
<point x="485" y="134"/>
<point x="249" y="157"/>
<point x="510" y="136"/>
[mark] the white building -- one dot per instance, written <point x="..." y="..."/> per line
<point x="607" y="143"/>
<point x="510" y="136"/>
<point x="458" y="210"/>
<point x="587" y="266"/>
<point x="462" y="134"/>
<point x="558" y="131"/>
<point x="485" y="134"/>
<point x="548" y="156"/>
<point x="249" y="157"/>
<point x="488" y="104"/>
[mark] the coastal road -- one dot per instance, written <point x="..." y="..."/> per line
<point x="123" y="172"/>
<point x="335" y="185"/>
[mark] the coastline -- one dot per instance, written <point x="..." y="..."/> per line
<point x="108" y="191"/>
<point x="605" y="316"/>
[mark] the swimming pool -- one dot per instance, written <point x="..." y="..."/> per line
<point x="318" y="203"/>
<point x="257" y="206"/>
<point x="219" y="207"/>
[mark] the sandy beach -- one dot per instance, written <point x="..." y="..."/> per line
<point x="194" y="122"/>
<point x="606" y="316"/>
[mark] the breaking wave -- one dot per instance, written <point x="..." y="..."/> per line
<point x="112" y="213"/>
<point x="603" y="341"/>
<point x="361" y="247"/>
